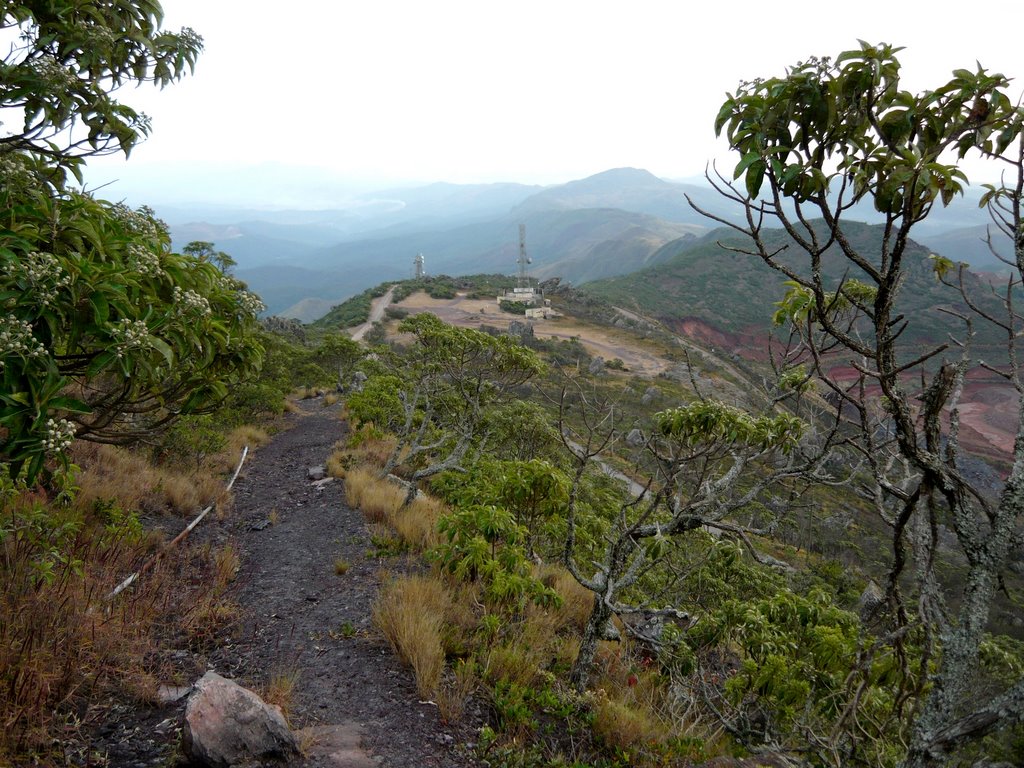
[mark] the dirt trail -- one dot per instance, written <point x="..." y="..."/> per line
<point x="304" y="620"/>
<point x="377" y="307"/>
<point x="354" y="704"/>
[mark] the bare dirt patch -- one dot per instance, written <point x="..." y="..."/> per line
<point x="607" y="343"/>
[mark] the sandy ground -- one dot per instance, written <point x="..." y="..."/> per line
<point x="471" y="313"/>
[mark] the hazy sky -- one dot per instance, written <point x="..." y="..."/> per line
<point x="387" y="92"/>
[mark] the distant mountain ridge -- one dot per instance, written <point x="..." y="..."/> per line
<point x="605" y="225"/>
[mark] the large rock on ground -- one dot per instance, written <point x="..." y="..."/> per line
<point x="227" y="725"/>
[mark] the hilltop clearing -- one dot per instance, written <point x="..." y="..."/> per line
<point x="640" y="358"/>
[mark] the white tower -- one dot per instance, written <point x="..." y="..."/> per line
<point x="418" y="263"/>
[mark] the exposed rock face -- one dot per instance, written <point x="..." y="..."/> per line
<point x="649" y="394"/>
<point x="635" y="438"/>
<point x="227" y="725"/>
<point x="870" y="601"/>
<point x="358" y="380"/>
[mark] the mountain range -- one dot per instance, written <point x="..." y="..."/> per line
<point x="610" y="224"/>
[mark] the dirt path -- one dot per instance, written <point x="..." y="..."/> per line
<point x="377" y="307"/>
<point x="302" y="620"/>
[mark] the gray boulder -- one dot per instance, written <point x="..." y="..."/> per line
<point x="227" y="725"/>
<point x="635" y="438"/>
<point x="358" y="380"/>
<point x="871" y="599"/>
<point x="596" y="366"/>
<point x="649" y="394"/>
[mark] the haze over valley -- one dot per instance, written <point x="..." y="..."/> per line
<point x="303" y="261"/>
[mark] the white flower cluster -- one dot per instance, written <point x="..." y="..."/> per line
<point x="250" y="303"/>
<point x="16" y="339"/>
<point x="14" y="172"/>
<point x="59" y="435"/>
<point x="143" y="261"/>
<point x="44" y="272"/>
<point x="130" y="334"/>
<point x="51" y="70"/>
<point x="101" y="36"/>
<point x="190" y="300"/>
<point x="135" y="222"/>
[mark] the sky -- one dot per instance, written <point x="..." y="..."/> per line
<point x="332" y="97"/>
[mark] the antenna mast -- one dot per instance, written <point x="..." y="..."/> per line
<point x="524" y="281"/>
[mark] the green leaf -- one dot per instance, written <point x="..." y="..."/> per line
<point x="755" y="177"/>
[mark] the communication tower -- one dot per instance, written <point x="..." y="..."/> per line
<point x="524" y="281"/>
<point x="418" y="263"/>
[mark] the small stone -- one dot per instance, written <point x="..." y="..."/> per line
<point x="316" y="473"/>
<point x="168" y="694"/>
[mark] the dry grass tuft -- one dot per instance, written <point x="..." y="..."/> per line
<point x="279" y="689"/>
<point x="376" y="498"/>
<point x="410" y="612"/>
<point x="383" y="502"/>
<point x="366" y="445"/>
<point x="456" y="691"/>
<point x="337" y="464"/>
<point x="112" y="473"/>
<point x="577" y="600"/>
<point x="622" y="726"/>
<point x="226" y="563"/>
<point x="416" y="523"/>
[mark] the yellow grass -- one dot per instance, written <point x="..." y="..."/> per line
<point x="112" y="473"/>
<point x="416" y="523"/>
<point x="577" y="600"/>
<point x="337" y="464"/>
<point x="453" y="695"/>
<point x="410" y="613"/>
<point x="622" y="726"/>
<point x="376" y="498"/>
<point x="279" y="689"/>
<point x="383" y="502"/>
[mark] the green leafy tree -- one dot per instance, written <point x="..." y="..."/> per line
<point x="812" y="144"/>
<point x="105" y="333"/>
<point x="449" y="378"/>
<point x="702" y="464"/>
<point x="202" y="250"/>
<point x="66" y="63"/>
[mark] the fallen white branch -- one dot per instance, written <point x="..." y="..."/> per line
<point x="177" y="539"/>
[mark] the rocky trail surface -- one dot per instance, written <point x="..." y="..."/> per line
<point x="353" y="704"/>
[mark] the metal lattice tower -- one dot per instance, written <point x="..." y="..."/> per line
<point x="418" y="263"/>
<point x="524" y="281"/>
